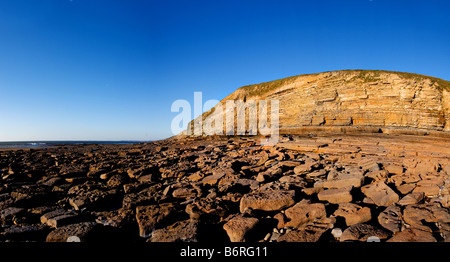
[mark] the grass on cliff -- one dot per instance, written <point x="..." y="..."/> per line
<point x="367" y="76"/>
<point x="262" y="88"/>
<point x="373" y="75"/>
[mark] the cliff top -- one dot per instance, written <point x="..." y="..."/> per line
<point x="365" y="76"/>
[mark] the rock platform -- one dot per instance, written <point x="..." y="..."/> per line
<point x="347" y="187"/>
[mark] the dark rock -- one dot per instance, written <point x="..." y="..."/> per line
<point x="31" y="195"/>
<point x="116" y="180"/>
<point x="59" y="217"/>
<point x="301" y="236"/>
<point x="25" y="233"/>
<point x="391" y="219"/>
<point x="146" y="196"/>
<point x="82" y="232"/>
<point x="181" y="231"/>
<point x="151" y="217"/>
<point x="7" y="214"/>
<point x="413" y="235"/>
<point x="96" y="198"/>
<point x="122" y="218"/>
<point x="361" y="232"/>
<point x="238" y="227"/>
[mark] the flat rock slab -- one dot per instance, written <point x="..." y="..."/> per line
<point x="353" y="213"/>
<point x="23" y="233"/>
<point x="344" y="180"/>
<point x="149" y="217"/>
<point x="391" y="219"/>
<point x="93" y="199"/>
<point x="181" y="231"/>
<point x="300" y="236"/>
<point x="413" y="235"/>
<point x="305" y="168"/>
<point x="216" y="175"/>
<point x="270" y="200"/>
<point x="336" y="196"/>
<point x="416" y="215"/>
<point x="59" y="217"/>
<point x="304" y="212"/>
<point x="81" y="232"/>
<point x="380" y="194"/>
<point x="412" y="198"/>
<point x="238" y="227"/>
<point x="362" y="232"/>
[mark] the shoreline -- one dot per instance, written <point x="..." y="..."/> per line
<point x="206" y="188"/>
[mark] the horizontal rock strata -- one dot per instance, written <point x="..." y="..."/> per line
<point x="350" y="101"/>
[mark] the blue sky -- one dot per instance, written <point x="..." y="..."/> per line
<point x="110" y="69"/>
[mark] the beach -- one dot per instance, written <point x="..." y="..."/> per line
<point x="222" y="189"/>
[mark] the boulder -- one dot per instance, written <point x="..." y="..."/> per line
<point x="301" y="236"/>
<point x="361" y="232"/>
<point x="430" y="185"/>
<point x="9" y="213"/>
<point x="418" y="215"/>
<point x="184" y="231"/>
<point x="94" y="198"/>
<point x="304" y="212"/>
<point x="336" y="196"/>
<point x="317" y="175"/>
<point x="59" y="217"/>
<point x="293" y="180"/>
<point x="413" y="235"/>
<point x="150" y="217"/>
<point x="305" y="168"/>
<point x="238" y="227"/>
<point x="394" y="169"/>
<point x="82" y="232"/>
<point x="353" y="213"/>
<point x="344" y="180"/>
<point x="267" y="200"/>
<point x="391" y="219"/>
<point x="412" y="198"/>
<point x="184" y="192"/>
<point x="25" y="232"/>
<point x="216" y="175"/>
<point x="380" y="194"/>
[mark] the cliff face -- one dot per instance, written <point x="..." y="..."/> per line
<point x="355" y="99"/>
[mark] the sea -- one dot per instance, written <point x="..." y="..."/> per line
<point x="44" y="144"/>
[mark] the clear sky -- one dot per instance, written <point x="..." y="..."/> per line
<point x="110" y="69"/>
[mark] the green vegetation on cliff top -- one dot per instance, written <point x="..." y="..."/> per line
<point x="364" y="75"/>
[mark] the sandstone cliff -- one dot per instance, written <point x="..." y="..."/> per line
<point x="341" y="101"/>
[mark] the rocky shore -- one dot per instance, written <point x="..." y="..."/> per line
<point x="359" y="187"/>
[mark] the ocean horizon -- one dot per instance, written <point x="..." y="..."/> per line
<point x="40" y="144"/>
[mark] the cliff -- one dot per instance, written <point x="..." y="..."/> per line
<point x="354" y="100"/>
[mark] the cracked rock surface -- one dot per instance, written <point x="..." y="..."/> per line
<point x="306" y="188"/>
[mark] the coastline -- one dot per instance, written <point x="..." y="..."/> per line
<point x="204" y="184"/>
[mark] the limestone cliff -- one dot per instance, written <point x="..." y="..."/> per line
<point x="355" y="99"/>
